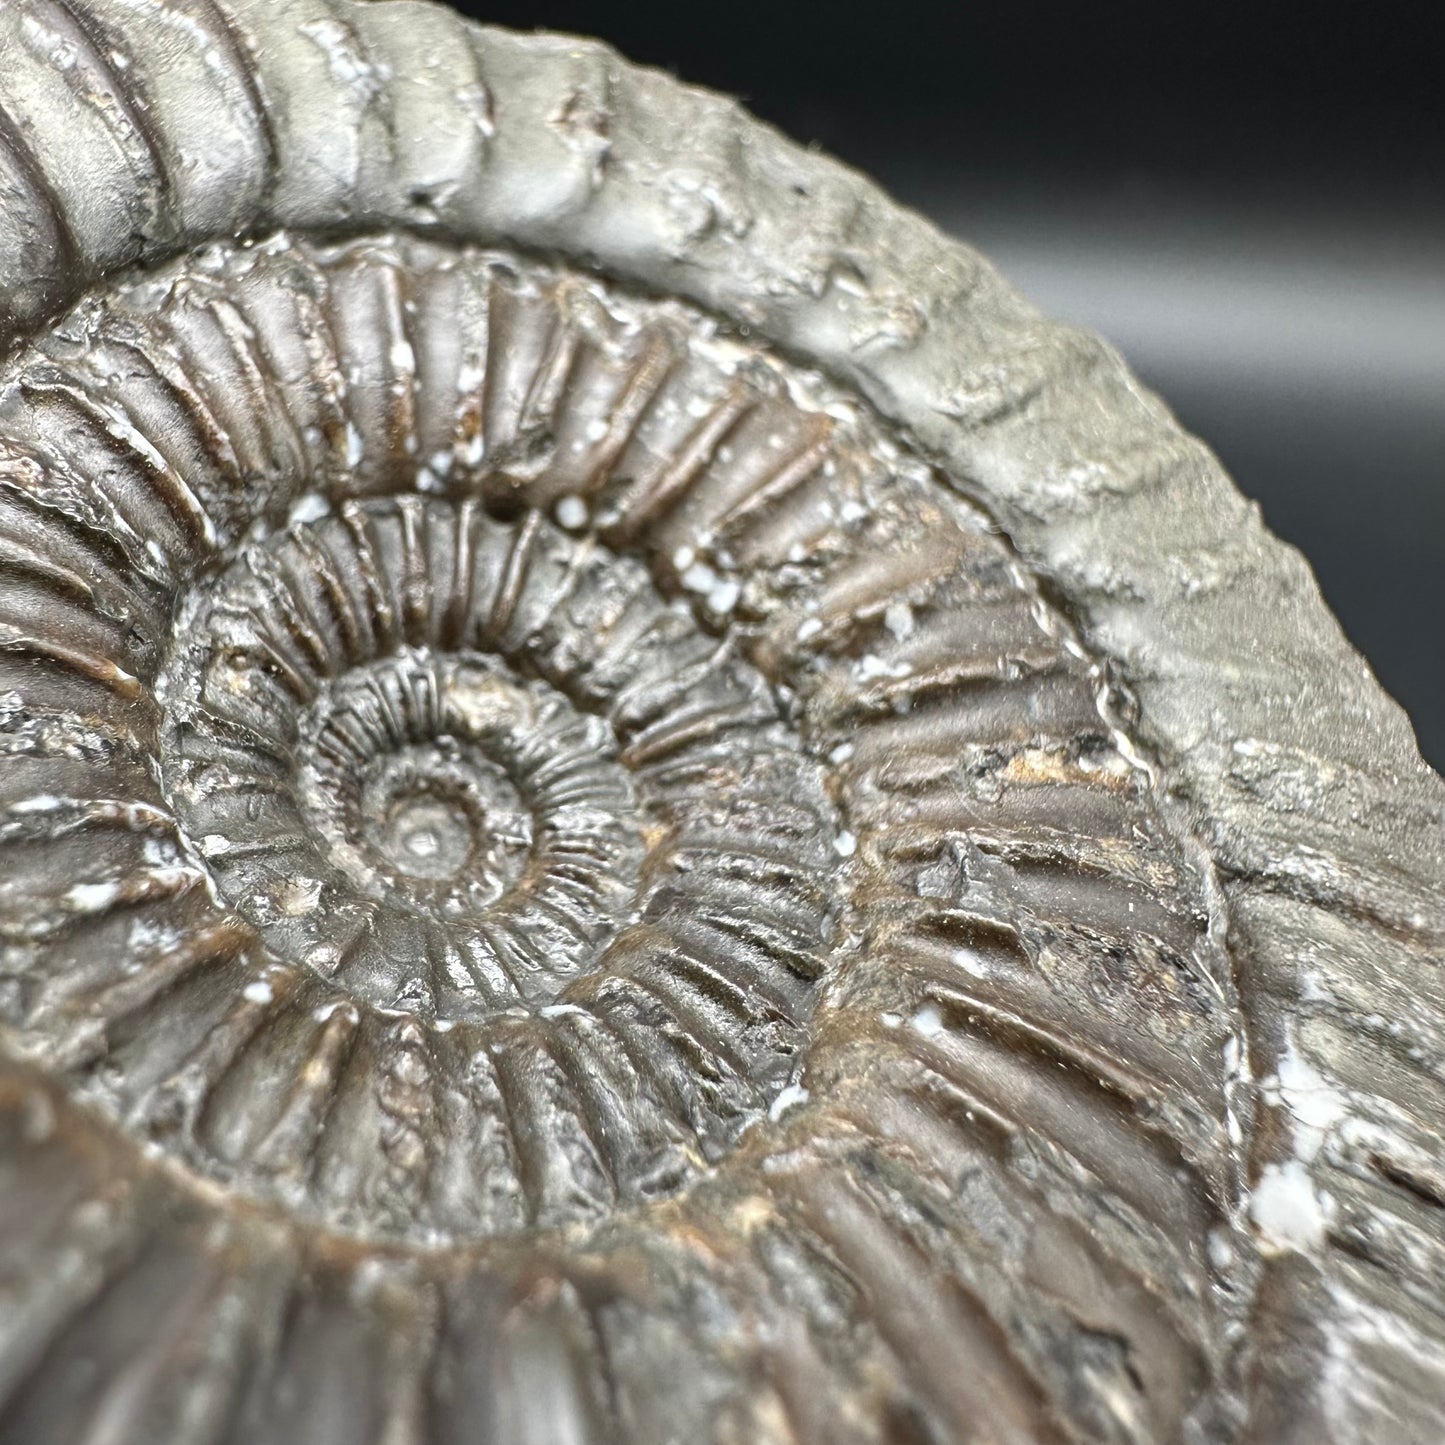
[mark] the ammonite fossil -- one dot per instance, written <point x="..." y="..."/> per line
<point x="636" y="807"/>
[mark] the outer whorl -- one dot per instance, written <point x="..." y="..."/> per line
<point x="635" y="807"/>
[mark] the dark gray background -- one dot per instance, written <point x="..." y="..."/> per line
<point x="1247" y="199"/>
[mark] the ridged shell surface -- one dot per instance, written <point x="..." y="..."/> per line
<point x="562" y="877"/>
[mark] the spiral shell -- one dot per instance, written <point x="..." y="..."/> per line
<point x="562" y="877"/>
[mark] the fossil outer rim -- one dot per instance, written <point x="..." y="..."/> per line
<point x="1295" y="773"/>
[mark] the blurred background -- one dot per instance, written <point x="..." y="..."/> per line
<point x="1249" y="200"/>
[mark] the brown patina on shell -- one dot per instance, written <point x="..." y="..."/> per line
<point x="561" y="877"/>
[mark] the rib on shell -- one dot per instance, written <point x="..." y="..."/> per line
<point x="565" y="874"/>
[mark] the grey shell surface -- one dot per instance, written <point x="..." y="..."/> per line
<point x="635" y="806"/>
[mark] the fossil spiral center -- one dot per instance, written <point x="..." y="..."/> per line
<point x="411" y="761"/>
<point x="436" y="785"/>
<point x="427" y="836"/>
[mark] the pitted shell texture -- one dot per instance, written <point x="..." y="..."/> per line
<point x="561" y="878"/>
